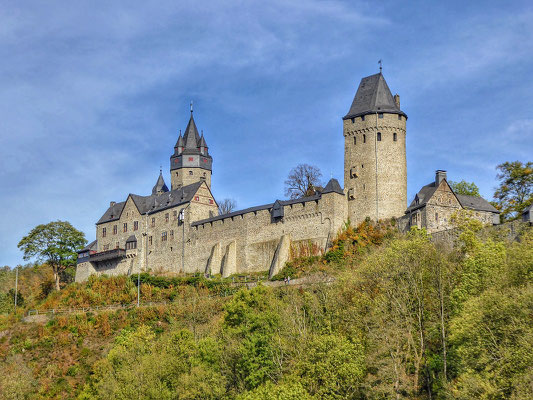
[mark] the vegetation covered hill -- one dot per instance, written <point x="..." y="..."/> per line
<point x="405" y="319"/>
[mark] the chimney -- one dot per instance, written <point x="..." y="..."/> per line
<point x="440" y="175"/>
<point x="397" y="99"/>
<point x="112" y="203"/>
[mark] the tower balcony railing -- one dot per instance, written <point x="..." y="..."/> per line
<point x="107" y="255"/>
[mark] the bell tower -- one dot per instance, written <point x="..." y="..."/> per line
<point x="375" y="166"/>
<point x="191" y="161"/>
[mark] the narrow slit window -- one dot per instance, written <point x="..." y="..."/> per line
<point x="394" y="136"/>
<point x="364" y="138"/>
<point x="379" y="136"/>
<point x="355" y="140"/>
<point x="362" y="117"/>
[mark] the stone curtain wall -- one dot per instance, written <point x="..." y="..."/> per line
<point x="241" y="244"/>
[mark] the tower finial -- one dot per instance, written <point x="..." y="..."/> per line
<point x="160" y="169"/>
<point x="191" y="107"/>
<point x="380" y="66"/>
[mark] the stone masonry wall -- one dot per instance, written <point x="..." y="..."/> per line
<point x="360" y="149"/>
<point x="245" y="243"/>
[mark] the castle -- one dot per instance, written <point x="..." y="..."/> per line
<point x="179" y="230"/>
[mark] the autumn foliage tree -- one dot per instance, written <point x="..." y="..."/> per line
<point x="515" y="191"/>
<point x="55" y="243"/>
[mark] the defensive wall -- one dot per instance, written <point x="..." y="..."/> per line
<point x="251" y="240"/>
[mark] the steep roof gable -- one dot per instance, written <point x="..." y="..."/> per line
<point x="153" y="203"/>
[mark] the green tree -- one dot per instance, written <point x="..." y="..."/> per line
<point x="55" y="243"/>
<point x="332" y="367"/>
<point x="515" y="191"/>
<point x="493" y="344"/>
<point x="251" y="322"/>
<point x="464" y="187"/>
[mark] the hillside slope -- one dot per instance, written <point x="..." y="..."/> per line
<point x="404" y="319"/>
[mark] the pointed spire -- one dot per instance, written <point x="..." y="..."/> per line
<point x="202" y="141"/>
<point x="191" y="136"/>
<point x="160" y="186"/>
<point x="373" y="96"/>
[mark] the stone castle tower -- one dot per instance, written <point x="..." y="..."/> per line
<point x="191" y="161"/>
<point x="375" y="169"/>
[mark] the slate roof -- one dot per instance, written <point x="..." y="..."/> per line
<point x="373" y="96"/>
<point x="132" y="238"/>
<point x="191" y="136"/>
<point x="423" y="197"/>
<point x="153" y="203"/>
<point x="476" y="203"/>
<point x="160" y="185"/>
<point x="470" y="202"/>
<point x="90" y="246"/>
<point x="333" y="186"/>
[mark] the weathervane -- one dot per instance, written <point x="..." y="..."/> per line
<point x="380" y="66"/>
<point x="191" y="106"/>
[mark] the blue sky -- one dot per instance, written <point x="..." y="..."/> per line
<point x="92" y="95"/>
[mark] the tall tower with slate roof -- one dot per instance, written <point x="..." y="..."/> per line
<point x="191" y="161"/>
<point x="375" y="168"/>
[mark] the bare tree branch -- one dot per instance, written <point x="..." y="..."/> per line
<point x="303" y="180"/>
<point x="226" y="206"/>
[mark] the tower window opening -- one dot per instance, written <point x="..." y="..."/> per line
<point x="394" y="136"/>
<point x="135" y="225"/>
<point x="399" y="117"/>
<point x="114" y="229"/>
<point x="164" y="236"/>
<point x="379" y="136"/>
<point x="190" y="172"/>
<point x="125" y="227"/>
<point x="153" y="221"/>
<point x="177" y="173"/>
<point x="353" y="120"/>
<point x="355" y="140"/>
<point x="364" y="138"/>
<point x="437" y="218"/>
<point x="104" y="232"/>
<point x="380" y="115"/>
<point x="362" y="117"/>
<point x="362" y="165"/>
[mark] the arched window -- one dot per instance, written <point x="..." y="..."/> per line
<point x="364" y="138"/>
<point x="394" y="136"/>
<point x="379" y="136"/>
<point x="355" y="140"/>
